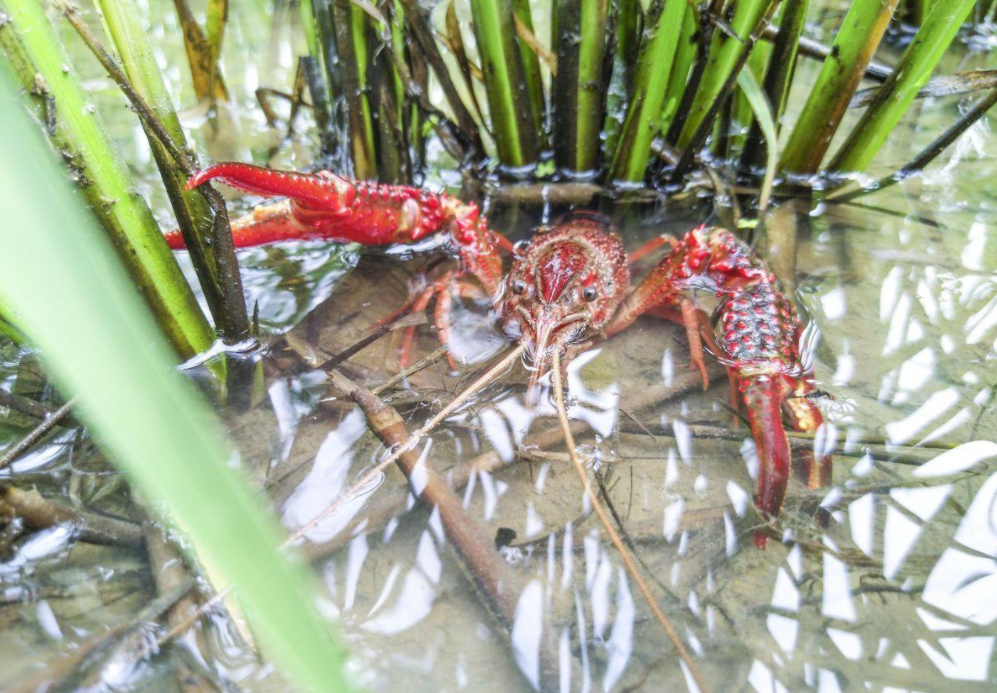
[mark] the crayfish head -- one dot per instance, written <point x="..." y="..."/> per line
<point x="566" y="284"/>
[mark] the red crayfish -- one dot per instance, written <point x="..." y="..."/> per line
<point x="569" y="286"/>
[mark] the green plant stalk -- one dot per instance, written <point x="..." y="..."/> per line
<point x="306" y="12"/>
<point x="685" y="56"/>
<point x="531" y="67"/>
<point x="351" y="40"/>
<point x="853" y="48"/>
<point x="99" y="344"/>
<point x="629" y="24"/>
<point x="654" y="68"/>
<point x="35" y="54"/>
<point x="214" y="262"/>
<point x="509" y="107"/>
<point x="205" y="72"/>
<point x="579" y="89"/>
<point x="742" y="113"/>
<point x="779" y="78"/>
<point x="214" y="31"/>
<point x="725" y="54"/>
<point x="894" y="98"/>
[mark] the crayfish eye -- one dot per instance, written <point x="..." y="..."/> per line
<point x="589" y="293"/>
<point x="518" y="286"/>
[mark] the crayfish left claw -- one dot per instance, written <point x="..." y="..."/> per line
<point x="762" y="398"/>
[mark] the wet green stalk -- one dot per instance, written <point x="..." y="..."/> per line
<point x="726" y="53"/>
<point x="204" y="69"/>
<point x="352" y="43"/>
<point x="34" y="54"/>
<point x="853" y="48"/>
<point x="912" y="72"/>
<point x="685" y="56"/>
<point x="214" y="30"/>
<point x="778" y="79"/>
<point x="211" y="249"/>
<point x="579" y="89"/>
<point x="654" y="68"/>
<point x="629" y="24"/>
<point x="531" y="67"/>
<point x="742" y="114"/>
<point x="510" y="112"/>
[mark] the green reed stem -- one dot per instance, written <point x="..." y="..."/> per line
<point x="629" y="25"/>
<point x="352" y="45"/>
<point x="725" y="54"/>
<point x="36" y="56"/>
<point x="685" y="56"/>
<point x="511" y="114"/>
<point x="853" y="48"/>
<point x="778" y="79"/>
<point x="204" y="70"/>
<point x="654" y="68"/>
<point x="214" y="30"/>
<point x="895" y="96"/>
<point x="531" y="67"/>
<point x="580" y="86"/>
<point x="211" y="249"/>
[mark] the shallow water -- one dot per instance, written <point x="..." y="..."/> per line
<point x="894" y="594"/>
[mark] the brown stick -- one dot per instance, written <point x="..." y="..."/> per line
<point x="614" y="537"/>
<point x="491" y="575"/>
<point x="41" y="513"/>
<point x="29" y="407"/>
<point x="170" y="573"/>
<point x="37" y="433"/>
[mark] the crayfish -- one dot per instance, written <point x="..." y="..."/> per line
<point x="568" y="287"/>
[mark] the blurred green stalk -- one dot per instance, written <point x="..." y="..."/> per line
<point x="35" y="54"/>
<point x="912" y="72"/>
<point x="59" y="277"/>
<point x="853" y="48"/>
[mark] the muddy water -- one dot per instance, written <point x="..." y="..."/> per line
<point x="895" y="593"/>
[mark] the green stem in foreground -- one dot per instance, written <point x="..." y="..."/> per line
<point x="508" y="99"/>
<point x="98" y="343"/>
<point x="35" y="54"/>
<point x="853" y="48"/>
<point x="912" y="72"/>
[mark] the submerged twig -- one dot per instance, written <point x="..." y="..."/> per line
<point x="41" y="513"/>
<point x="943" y="85"/>
<point x="29" y="407"/>
<point x="37" y="433"/>
<point x="614" y="537"/>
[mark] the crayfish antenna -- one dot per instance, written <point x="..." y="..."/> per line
<point x="460" y="400"/>
<point x="628" y="560"/>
